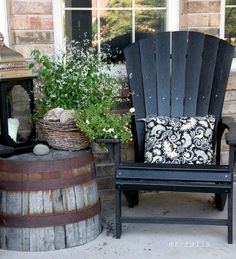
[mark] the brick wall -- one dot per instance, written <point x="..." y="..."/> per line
<point x="201" y="15"/>
<point x="31" y="25"/>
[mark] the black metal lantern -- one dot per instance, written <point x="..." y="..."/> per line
<point x="17" y="131"/>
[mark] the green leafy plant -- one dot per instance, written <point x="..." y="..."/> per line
<point x="80" y="79"/>
<point x="99" y="121"/>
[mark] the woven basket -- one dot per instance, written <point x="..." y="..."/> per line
<point x="63" y="136"/>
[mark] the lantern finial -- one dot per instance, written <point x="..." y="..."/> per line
<point x="1" y="40"/>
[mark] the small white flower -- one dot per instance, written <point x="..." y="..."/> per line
<point x="87" y="121"/>
<point x="110" y="130"/>
<point x="104" y="130"/>
<point x="132" y="110"/>
<point x="115" y="136"/>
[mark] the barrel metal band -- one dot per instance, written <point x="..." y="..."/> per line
<point x="47" y="184"/>
<point x="49" y="220"/>
<point x="46" y="166"/>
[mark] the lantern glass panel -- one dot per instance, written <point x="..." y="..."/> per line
<point x="19" y="114"/>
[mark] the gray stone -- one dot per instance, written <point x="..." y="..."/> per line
<point x="41" y="150"/>
<point x="53" y="115"/>
<point x="67" y="117"/>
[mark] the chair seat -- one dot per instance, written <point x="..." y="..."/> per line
<point x="189" y="178"/>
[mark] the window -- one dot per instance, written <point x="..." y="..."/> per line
<point x="230" y="21"/>
<point x="117" y="23"/>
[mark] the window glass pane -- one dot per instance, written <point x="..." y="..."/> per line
<point x="230" y="2"/>
<point x="80" y="25"/>
<point x="114" y="23"/>
<point x="80" y="3"/>
<point x="151" y="3"/>
<point x="230" y="25"/>
<point x="116" y="3"/>
<point x="149" y="22"/>
<point x="116" y="30"/>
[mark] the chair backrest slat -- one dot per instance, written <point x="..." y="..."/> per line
<point x="163" y="73"/>
<point x="193" y="69"/>
<point x="222" y="70"/>
<point x="148" y="64"/>
<point x="179" y="51"/>
<point x="207" y="74"/>
<point x="177" y="74"/>
<point x="136" y="80"/>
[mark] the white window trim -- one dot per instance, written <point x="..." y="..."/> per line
<point x="58" y="24"/>
<point x="222" y="30"/>
<point x="4" y="21"/>
<point x="173" y="17"/>
<point x="222" y="19"/>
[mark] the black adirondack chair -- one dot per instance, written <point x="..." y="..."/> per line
<point x="177" y="74"/>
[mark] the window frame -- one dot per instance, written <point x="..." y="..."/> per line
<point x="172" y="19"/>
<point x="222" y="30"/>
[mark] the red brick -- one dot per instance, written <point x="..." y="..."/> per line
<point x="214" y="7"/>
<point x="197" y="20"/>
<point x="214" y="20"/>
<point x="19" y="22"/>
<point x="206" y="30"/>
<point x="32" y="37"/>
<point x="232" y="80"/>
<point x="26" y="7"/>
<point x="201" y="7"/>
<point x="37" y="22"/>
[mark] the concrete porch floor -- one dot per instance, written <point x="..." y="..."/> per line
<point x="152" y="241"/>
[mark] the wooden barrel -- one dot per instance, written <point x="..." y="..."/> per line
<point x="48" y="202"/>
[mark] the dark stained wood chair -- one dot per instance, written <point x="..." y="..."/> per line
<point x="177" y="74"/>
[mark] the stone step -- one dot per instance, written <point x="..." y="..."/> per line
<point x="105" y="170"/>
<point x="105" y="183"/>
<point x="107" y="194"/>
<point x="101" y="157"/>
<point x="100" y="153"/>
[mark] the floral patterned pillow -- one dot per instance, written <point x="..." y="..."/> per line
<point x="183" y="140"/>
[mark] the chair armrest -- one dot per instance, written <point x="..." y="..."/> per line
<point x="113" y="146"/>
<point x="107" y="140"/>
<point x="230" y="136"/>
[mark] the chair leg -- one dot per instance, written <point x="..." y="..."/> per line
<point x="220" y="200"/>
<point x="118" y="213"/>
<point x="132" y="197"/>
<point x="230" y="218"/>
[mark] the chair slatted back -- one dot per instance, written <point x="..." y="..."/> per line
<point x="177" y="74"/>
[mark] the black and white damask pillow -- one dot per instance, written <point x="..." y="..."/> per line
<point x="183" y="140"/>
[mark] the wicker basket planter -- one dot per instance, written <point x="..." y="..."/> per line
<point x="63" y="136"/>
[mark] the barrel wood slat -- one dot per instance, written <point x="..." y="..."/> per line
<point x="59" y="230"/>
<point x="43" y="209"/>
